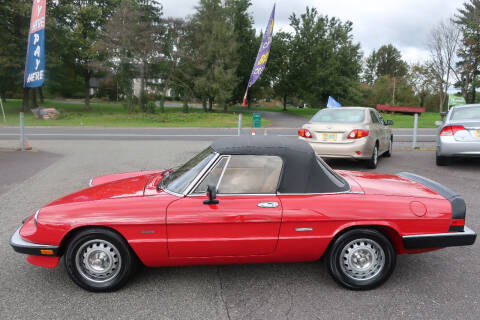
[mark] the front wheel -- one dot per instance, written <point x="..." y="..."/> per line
<point x="361" y="259"/>
<point x="373" y="161"/>
<point x="99" y="260"/>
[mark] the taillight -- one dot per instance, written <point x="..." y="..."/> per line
<point x="457" y="225"/>
<point x="304" y="133"/>
<point x="358" y="133"/>
<point x="451" y="130"/>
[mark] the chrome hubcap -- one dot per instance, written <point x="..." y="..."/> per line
<point x="98" y="260"/>
<point x="362" y="259"/>
<point x="375" y="155"/>
<point x="390" y="147"/>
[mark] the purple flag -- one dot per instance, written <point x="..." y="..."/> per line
<point x="262" y="55"/>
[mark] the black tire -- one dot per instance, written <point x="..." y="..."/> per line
<point x="346" y="245"/>
<point x="373" y="161"/>
<point x="388" y="153"/>
<point x="442" y="161"/>
<point x="103" y="244"/>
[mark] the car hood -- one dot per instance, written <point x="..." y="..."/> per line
<point x="390" y="185"/>
<point x="121" y="188"/>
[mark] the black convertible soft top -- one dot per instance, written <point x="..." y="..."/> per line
<point x="302" y="171"/>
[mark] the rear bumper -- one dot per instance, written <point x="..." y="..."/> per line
<point x="343" y="150"/>
<point x="449" y="147"/>
<point x="22" y="246"/>
<point x="440" y="240"/>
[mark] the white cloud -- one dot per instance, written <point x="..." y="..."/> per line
<point x="406" y="23"/>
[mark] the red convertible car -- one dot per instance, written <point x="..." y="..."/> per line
<point x="244" y="200"/>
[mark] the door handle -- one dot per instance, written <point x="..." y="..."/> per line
<point x="268" y="204"/>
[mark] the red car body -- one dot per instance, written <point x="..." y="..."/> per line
<point x="164" y="229"/>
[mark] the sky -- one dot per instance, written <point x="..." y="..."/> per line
<point x="404" y="23"/>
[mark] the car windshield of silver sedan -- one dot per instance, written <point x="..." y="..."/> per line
<point x="472" y="113"/>
<point x="339" y="116"/>
<point x="177" y="181"/>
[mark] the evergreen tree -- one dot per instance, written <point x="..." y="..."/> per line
<point x="468" y="18"/>
<point x="215" y="52"/>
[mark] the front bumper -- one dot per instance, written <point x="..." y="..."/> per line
<point x="22" y="246"/>
<point x="440" y="240"/>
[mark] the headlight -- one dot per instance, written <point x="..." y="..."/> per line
<point x="90" y="182"/>
<point x="35" y="217"/>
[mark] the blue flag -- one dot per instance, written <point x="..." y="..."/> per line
<point x="332" y="103"/>
<point x="35" y="64"/>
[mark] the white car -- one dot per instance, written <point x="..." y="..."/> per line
<point x="459" y="135"/>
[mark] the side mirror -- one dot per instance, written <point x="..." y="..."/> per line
<point x="443" y="115"/>
<point x="212" y="195"/>
<point x="438" y="123"/>
<point x="389" y="123"/>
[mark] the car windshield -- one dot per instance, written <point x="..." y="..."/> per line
<point x="178" y="180"/>
<point x="339" y="115"/>
<point x="471" y="113"/>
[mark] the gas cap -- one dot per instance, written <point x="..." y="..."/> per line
<point x="418" y="208"/>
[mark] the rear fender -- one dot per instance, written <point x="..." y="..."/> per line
<point x="387" y="229"/>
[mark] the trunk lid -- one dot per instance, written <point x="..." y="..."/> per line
<point x="391" y="185"/>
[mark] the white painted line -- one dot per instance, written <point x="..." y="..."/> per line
<point x="119" y="135"/>
<point x="410" y="135"/>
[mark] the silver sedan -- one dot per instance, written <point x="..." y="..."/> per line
<point x="459" y="135"/>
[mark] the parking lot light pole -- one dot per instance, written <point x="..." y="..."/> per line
<point x="239" y="124"/>
<point x="415" y="128"/>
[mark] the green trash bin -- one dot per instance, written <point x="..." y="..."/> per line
<point x="257" y="120"/>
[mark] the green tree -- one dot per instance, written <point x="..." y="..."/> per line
<point x="390" y="62"/>
<point x="325" y="61"/>
<point x="468" y="18"/>
<point x="77" y="25"/>
<point x="14" y="26"/>
<point x="215" y="52"/>
<point x="244" y="35"/>
<point x="278" y="70"/>
<point x="421" y="80"/>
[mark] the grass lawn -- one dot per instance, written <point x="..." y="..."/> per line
<point x="115" y="115"/>
<point x="426" y="120"/>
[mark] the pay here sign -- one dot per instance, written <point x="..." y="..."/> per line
<point x="35" y="63"/>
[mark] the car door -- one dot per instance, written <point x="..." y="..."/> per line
<point x="384" y="132"/>
<point x="376" y="129"/>
<point x="246" y="221"/>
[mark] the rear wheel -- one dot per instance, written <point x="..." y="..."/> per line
<point x="361" y="259"/>
<point x="373" y="161"/>
<point x="388" y="154"/>
<point x="442" y="161"/>
<point x="99" y="260"/>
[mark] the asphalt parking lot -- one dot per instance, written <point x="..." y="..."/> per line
<point x="444" y="284"/>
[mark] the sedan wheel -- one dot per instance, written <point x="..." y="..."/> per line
<point x="361" y="259"/>
<point x="99" y="260"/>
<point x="373" y="161"/>
<point x="442" y="161"/>
<point x="390" y="149"/>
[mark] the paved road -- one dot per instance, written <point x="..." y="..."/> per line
<point x="200" y="134"/>
<point x="437" y="285"/>
<point x="17" y="166"/>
